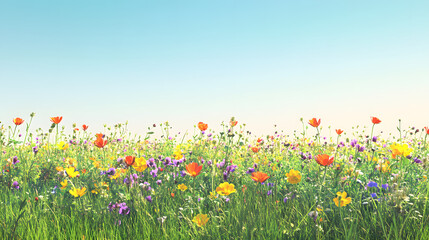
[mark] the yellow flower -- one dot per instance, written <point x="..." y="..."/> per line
<point x="400" y="150"/>
<point x="293" y="176"/>
<point x="182" y="187"/>
<point x="64" y="184"/>
<point x="71" y="172"/>
<point x="59" y="169"/>
<point x="201" y="220"/>
<point x="62" y="145"/>
<point x="225" y="189"/>
<point x="78" y="192"/>
<point x="116" y="175"/>
<point x="178" y="154"/>
<point x="96" y="164"/>
<point x="140" y="164"/>
<point x="342" y="199"/>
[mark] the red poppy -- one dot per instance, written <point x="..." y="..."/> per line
<point x="129" y="160"/>
<point x="172" y="194"/>
<point x="202" y="126"/>
<point x="56" y="120"/>
<point x="259" y="177"/>
<point x="233" y="123"/>
<point x="259" y="140"/>
<point x="99" y="135"/>
<point x="427" y="130"/>
<point x="324" y="159"/>
<point x="36" y="199"/>
<point x="18" y="121"/>
<point x="375" y="120"/>
<point x="339" y="131"/>
<point x="76" y="129"/>
<point x="255" y="149"/>
<point x="314" y="122"/>
<point x="84" y="127"/>
<point x="193" y="169"/>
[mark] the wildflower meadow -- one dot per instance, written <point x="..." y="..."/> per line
<point x="316" y="183"/>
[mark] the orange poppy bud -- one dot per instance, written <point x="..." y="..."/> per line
<point x="339" y="131"/>
<point x="56" y="120"/>
<point x="375" y="120"/>
<point x="84" y="127"/>
<point x="202" y="126"/>
<point x="18" y="121"/>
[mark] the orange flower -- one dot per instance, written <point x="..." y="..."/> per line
<point x="129" y="160"/>
<point x="427" y="130"/>
<point x="18" y="121"/>
<point x="84" y="127"/>
<point x="100" y="143"/>
<point x="324" y="159"/>
<point x="255" y="149"/>
<point x="193" y="169"/>
<point x="259" y="177"/>
<point x="339" y="131"/>
<point x="56" y="120"/>
<point x="202" y="126"/>
<point x="314" y="122"/>
<point x="233" y="123"/>
<point x="172" y="194"/>
<point x="76" y="129"/>
<point x="375" y="120"/>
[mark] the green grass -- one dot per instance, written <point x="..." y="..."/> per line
<point x="401" y="211"/>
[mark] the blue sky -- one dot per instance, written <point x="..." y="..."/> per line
<point x="188" y="61"/>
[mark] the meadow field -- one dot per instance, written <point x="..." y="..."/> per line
<point x="316" y="183"/>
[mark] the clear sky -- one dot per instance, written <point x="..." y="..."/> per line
<point x="264" y="62"/>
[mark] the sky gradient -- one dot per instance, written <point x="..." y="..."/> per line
<point x="266" y="63"/>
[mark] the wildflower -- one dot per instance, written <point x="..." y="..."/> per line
<point x="15" y="185"/>
<point x="84" y="127"/>
<point x="293" y="176"/>
<point x="99" y="142"/>
<point x="64" y="184"/>
<point x="342" y="200"/>
<point x="15" y="160"/>
<point x="314" y="122"/>
<point x="427" y="130"/>
<point x="374" y="195"/>
<point x="182" y="187"/>
<point x="259" y="177"/>
<point x="78" y="192"/>
<point x="233" y="123"/>
<point x="385" y="186"/>
<point x="62" y="145"/>
<point x="202" y="126"/>
<point x="193" y="169"/>
<point x="339" y="131"/>
<point x="18" y="121"/>
<point x="56" y="120"/>
<point x="212" y="195"/>
<point x="255" y="149"/>
<point x="149" y="198"/>
<point x="372" y="184"/>
<point x="375" y="120"/>
<point x="71" y="172"/>
<point x="324" y="159"/>
<point x="225" y="189"/>
<point x="129" y="160"/>
<point x="400" y="150"/>
<point x="201" y="220"/>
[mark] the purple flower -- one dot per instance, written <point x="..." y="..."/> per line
<point x="35" y="150"/>
<point x="285" y="199"/>
<point x="250" y="170"/>
<point x="15" y="160"/>
<point x="416" y="160"/>
<point x="227" y="199"/>
<point x="269" y="192"/>
<point x="149" y="198"/>
<point x="372" y="184"/>
<point x="385" y="186"/>
<point x="158" y="182"/>
<point x="374" y="195"/>
<point x="353" y="143"/>
<point x="221" y="164"/>
<point x="374" y="139"/>
<point x="225" y="176"/>
<point x="111" y="171"/>
<point x="154" y="173"/>
<point x="15" y="185"/>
